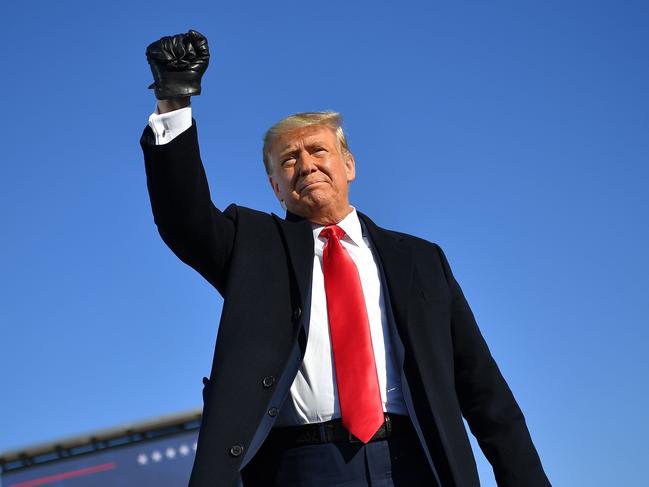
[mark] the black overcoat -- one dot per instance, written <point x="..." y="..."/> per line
<point x="261" y="264"/>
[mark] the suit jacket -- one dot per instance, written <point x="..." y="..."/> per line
<point x="261" y="264"/>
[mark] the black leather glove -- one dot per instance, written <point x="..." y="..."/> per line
<point x="178" y="63"/>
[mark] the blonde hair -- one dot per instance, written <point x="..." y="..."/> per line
<point x="330" y="119"/>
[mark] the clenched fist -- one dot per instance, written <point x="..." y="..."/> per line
<point x="178" y="63"/>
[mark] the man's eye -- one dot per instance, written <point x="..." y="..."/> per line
<point x="320" y="149"/>
<point x="288" y="161"/>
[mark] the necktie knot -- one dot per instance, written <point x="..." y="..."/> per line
<point x="332" y="231"/>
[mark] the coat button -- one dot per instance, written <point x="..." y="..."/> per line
<point x="236" y="450"/>
<point x="268" y="381"/>
<point x="272" y="412"/>
<point x="297" y="313"/>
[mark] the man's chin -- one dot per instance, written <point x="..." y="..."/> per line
<point x="310" y="202"/>
<point x="308" y="208"/>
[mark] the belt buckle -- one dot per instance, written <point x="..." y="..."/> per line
<point x="385" y="429"/>
<point x="352" y="439"/>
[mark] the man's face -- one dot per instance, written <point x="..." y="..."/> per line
<point x="311" y="173"/>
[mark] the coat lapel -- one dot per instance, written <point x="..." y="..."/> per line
<point x="396" y="260"/>
<point x="298" y="238"/>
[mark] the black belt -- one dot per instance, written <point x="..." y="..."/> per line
<point x="334" y="431"/>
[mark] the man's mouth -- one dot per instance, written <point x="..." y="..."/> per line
<point x="308" y="185"/>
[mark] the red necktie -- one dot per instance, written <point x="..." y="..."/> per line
<point x="358" y="384"/>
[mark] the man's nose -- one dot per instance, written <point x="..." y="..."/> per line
<point x="307" y="164"/>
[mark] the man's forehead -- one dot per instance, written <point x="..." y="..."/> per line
<point x="300" y="135"/>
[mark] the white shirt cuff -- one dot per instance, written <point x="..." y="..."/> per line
<point x="167" y="126"/>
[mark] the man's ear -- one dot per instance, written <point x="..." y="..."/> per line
<point x="350" y="167"/>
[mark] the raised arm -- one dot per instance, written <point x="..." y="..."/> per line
<point x="196" y="231"/>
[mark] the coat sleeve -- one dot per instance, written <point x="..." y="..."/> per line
<point x="200" y="234"/>
<point x="487" y="402"/>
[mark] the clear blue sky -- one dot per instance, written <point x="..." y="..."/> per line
<point x="514" y="134"/>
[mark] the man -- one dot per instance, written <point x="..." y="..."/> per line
<point x="346" y="353"/>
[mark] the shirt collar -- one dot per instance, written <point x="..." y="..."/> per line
<point x="350" y="224"/>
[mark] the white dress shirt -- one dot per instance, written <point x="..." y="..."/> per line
<point x="168" y="126"/>
<point x="313" y="395"/>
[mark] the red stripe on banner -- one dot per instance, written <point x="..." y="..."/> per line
<point x="66" y="475"/>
